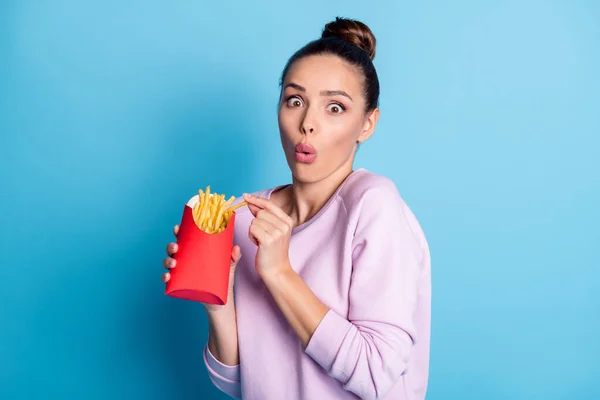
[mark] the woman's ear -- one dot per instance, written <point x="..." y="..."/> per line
<point x="369" y="125"/>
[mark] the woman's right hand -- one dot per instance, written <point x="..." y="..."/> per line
<point x="170" y="263"/>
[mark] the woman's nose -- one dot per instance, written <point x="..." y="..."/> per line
<point x="308" y="123"/>
<point x="306" y="129"/>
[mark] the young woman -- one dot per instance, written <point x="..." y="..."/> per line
<point x="332" y="272"/>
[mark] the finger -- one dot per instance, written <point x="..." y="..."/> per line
<point x="252" y="237"/>
<point x="274" y="220"/>
<point x="172" y="249"/>
<point x="258" y="234"/>
<point x="267" y="226"/>
<point x="165" y="277"/>
<point x="259" y="212"/>
<point x="254" y="209"/>
<point x="169" y="263"/>
<point x="236" y="254"/>
<point x="268" y="205"/>
<point x="176" y="230"/>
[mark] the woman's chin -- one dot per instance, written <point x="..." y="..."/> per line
<point x="303" y="173"/>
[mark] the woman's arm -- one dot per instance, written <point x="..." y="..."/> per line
<point x="300" y="306"/>
<point x="369" y="349"/>
<point x="222" y="334"/>
<point x="222" y="324"/>
<point x="221" y="355"/>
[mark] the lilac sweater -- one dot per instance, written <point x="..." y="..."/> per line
<point x="365" y="256"/>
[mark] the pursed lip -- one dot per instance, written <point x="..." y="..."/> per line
<point x="305" y="153"/>
<point x="305" y="148"/>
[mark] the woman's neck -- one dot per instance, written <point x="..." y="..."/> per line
<point x="302" y="200"/>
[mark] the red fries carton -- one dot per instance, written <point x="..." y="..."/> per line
<point x="203" y="259"/>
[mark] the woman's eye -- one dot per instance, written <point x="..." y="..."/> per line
<point x="335" y="108"/>
<point x="294" y="102"/>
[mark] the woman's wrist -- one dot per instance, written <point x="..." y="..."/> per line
<point x="215" y="309"/>
<point x="272" y="275"/>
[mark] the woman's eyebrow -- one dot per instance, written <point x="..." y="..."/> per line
<point x="323" y="93"/>
<point x="335" y="93"/>
<point x="295" y="86"/>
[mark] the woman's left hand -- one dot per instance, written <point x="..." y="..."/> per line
<point x="270" y="230"/>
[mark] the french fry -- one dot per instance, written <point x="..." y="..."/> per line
<point x="243" y="203"/>
<point x="212" y="212"/>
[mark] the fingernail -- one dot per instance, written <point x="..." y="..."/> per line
<point x="246" y="196"/>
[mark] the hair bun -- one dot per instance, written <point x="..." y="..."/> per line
<point x="353" y="32"/>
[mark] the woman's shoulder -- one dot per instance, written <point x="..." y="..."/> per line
<point x="366" y="186"/>
<point x="370" y="197"/>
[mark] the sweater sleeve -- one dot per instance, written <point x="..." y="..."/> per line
<point x="226" y="378"/>
<point x="369" y="351"/>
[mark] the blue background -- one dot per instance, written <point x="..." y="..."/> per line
<point x="113" y="113"/>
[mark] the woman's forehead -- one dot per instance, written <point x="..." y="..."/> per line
<point x="324" y="72"/>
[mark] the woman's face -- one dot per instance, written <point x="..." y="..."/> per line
<point x="322" y="116"/>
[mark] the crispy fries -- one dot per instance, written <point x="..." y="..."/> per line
<point x="212" y="213"/>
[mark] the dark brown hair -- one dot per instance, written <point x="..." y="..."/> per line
<point x="353" y="42"/>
